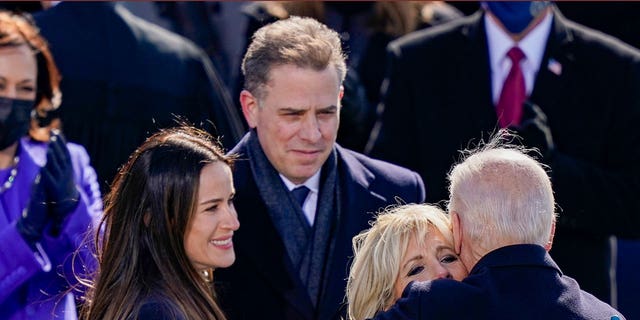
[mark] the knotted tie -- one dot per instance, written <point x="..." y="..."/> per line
<point x="509" y="108"/>
<point x="300" y="194"/>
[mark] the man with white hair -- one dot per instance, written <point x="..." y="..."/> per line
<point x="502" y="209"/>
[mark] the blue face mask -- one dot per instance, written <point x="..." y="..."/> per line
<point x="515" y="15"/>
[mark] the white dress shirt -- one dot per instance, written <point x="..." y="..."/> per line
<point x="499" y="43"/>
<point x="311" y="202"/>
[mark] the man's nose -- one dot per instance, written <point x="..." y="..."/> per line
<point x="310" y="129"/>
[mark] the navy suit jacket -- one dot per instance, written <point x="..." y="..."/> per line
<point x="260" y="285"/>
<point x="513" y="282"/>
<point x="438" y="99"/>
<point x="123" y="78"/>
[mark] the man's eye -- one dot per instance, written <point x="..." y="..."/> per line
<point x="415" y="270"/>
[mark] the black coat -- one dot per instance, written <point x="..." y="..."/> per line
<point x="513" y="282"/>
<point x="124" y="78"/>
<point x="261" y="283"/>
<point x="439" y="99"/>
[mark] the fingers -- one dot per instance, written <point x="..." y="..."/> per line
<point x="58" y="145"/>
<point x="58" y="157"/>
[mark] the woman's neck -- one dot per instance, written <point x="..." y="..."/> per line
<point x="7" y="154"/>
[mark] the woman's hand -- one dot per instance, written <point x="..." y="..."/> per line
<point x="58" y="181"/>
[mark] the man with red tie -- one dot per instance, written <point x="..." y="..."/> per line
<point x="568" y="91"/>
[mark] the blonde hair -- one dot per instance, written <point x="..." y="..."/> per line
<point x="378" y="254"/>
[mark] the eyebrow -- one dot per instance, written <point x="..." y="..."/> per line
<point x="329" y="108"/>
<point x="25" y="80"/>
<point x="443" y="247"/>
<point x="294" y="109"/>
<point x="215" y="200"/>
<point x="417" y="257"/>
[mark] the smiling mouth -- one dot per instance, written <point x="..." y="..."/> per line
<point x="221" y="243"/>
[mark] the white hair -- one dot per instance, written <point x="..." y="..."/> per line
<point x="502" y="194"/>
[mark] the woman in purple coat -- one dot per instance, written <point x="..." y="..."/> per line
<point x="49" y="195"/>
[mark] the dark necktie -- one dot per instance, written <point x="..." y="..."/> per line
<point x="509" y="108"/>
<point x="300" y="194"/>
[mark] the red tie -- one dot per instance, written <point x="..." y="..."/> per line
<point x="513" y="94"/>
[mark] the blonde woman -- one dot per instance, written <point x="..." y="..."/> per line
<point x="406" y="243"/>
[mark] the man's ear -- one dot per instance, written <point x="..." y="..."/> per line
<point x="553" y="231"/>
<point x="341" y="94"/>
<point x="249" y="107"/>
<point x="457" y="232"/>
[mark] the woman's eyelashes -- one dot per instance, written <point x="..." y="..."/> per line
<point x="415" y="270"/>
<point x="212" y="208"/>
<point x="26" y="89"/>
<point x="449" y="258"/>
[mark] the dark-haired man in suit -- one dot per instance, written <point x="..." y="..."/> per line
<point x="572" y="93"/>
<point x="300" y="197"/>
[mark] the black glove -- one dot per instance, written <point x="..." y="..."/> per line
<point x="534" y="131"/>
<point x="35" y="217"/>
<point x="58" y="180"/>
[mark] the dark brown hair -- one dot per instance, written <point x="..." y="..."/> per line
<point x="141" y="252"/>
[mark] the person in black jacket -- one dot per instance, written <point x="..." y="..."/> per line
<point x="300" y="196"/>
<point x="582" y="112"/>
<point x="503" y="219"/>
<point x="123" y="78"/>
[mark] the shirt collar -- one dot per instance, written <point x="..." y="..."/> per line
<point x="313" y="183"/>
<point x="533" y="44"/>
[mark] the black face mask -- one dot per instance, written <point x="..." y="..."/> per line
<point x="14" y="120"/>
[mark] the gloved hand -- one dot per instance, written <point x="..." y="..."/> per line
<point x="34" y="217"/>
<point x="58" y="181"/>
<point x="534" y="131"/>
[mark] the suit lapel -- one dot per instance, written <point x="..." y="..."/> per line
<point x="356" y="200"/>
<point x="474" y="75"/>
<point x="279" y="272"/>
<point x="556" y="65"/>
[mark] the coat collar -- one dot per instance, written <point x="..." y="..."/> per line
<point x="515" y="255"/>
<point x="355" y="182"/>
<point x="557" y="63"/>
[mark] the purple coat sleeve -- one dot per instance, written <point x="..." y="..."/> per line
<point x="27" y="289"/>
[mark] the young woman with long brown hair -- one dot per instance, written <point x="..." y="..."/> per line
<point x="168" y="223"/>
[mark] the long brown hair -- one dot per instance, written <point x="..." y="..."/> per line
<point x="141" y="251"/>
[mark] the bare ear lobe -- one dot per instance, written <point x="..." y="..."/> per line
<point x="341" y="94"/>
<point x="249" y="105"/>
<point x="457" y="232"/>
<point x="146" y="218"/>
<point x="553" y="232"/>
